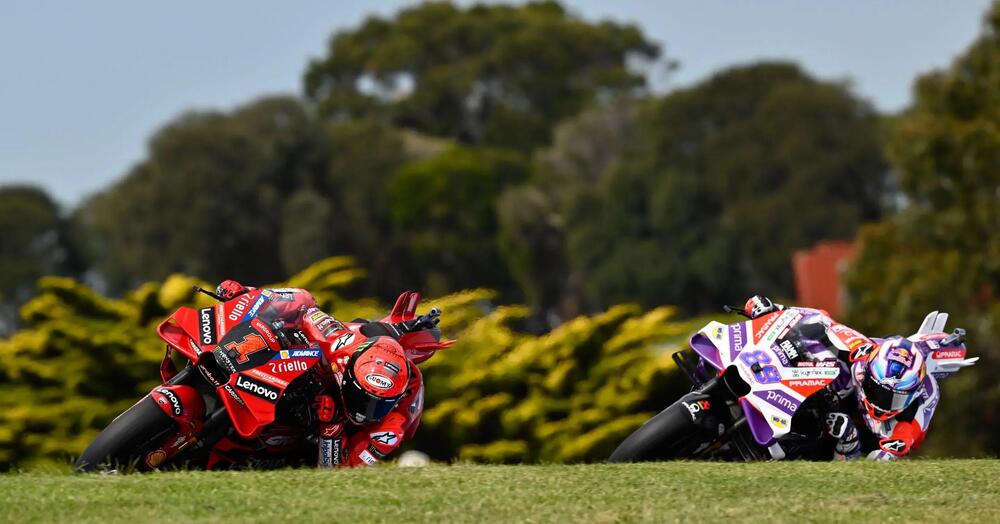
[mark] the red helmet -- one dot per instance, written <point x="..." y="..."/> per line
<point x="374" y="379"/>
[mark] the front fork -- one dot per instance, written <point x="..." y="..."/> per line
<point x="185" y="403"/>
<point x="182" y="403"/>
<point x="721" y="392"/>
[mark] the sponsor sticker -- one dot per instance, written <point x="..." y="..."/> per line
<point x="171" y="398"/>
<point x="257" y="388"/>
<point x="378" y="381"/>
<point x="220" y="321"/>
<point x="780" y="422"/>
<point x="788" y="348"/>
<point x="325" y="453"/>
<point x="224" y="360"/>
<point x="206" y="326"/>
<point x="894" y="446"/>
<point x="155" y="458"/>
<point x="902" y="355"/>
<point x="850" y="337"/>
<point x="806" y="383"/>
<point x="289" y="366"/>
<point x="368" y="458"/>
<point x="256" y="307"/>
<point x="793" y="320"/>
<point x="771" y="319"/>
<point x="335" y="452"/>
<point x="260" y="327"/>
<point x="286" y="354"/>
<point x="948" y="353"/>
<point x="812" y="372"/>
<point x="386" y="438"/>
<point x="270" y="379"/>
<point x="364" y="345"/>
<point x="697" y="407"/>
<point x="779" y="399"/>
<point x="232" y="393"/>
<point x="736" y="342"/>
<point x="239" y="308"/>
<point x="343" y="340"/>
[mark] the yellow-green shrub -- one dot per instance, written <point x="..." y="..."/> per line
<point x="499" y="395"/>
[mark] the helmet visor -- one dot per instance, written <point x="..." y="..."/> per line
<point x="883" y="398"/>
<point x="361" y="405"/>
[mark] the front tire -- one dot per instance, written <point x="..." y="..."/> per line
<point x="669" y="434"/>
<point x="126" y="442"/>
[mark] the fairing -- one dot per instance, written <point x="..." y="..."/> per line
<point x="779" y="379"/>
<point x="237" y="335"/>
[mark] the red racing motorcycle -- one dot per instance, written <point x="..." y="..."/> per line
<point x="246" y="380"/>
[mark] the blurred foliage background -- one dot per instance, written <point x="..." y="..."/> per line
<point x="516" y="151"/>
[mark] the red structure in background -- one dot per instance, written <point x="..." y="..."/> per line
<point x="817" y="275"/>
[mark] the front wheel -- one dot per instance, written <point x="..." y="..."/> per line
<point x="669" y="434"/>
<point x="131" y="440"/>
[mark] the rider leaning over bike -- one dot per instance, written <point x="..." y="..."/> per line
<point x="377" y="397"/>
<point x="887" y="398"/>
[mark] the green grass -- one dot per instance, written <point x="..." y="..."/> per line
<point x="925" y="490"/>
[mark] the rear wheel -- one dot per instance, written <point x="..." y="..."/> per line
<point x="670" y="434"/>
<point x="130" y="441"/>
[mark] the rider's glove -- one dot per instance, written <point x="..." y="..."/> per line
<point x="841" y="427"/>
<point x="229" y="289"/>
<point x="332" y="441"/>
<point x="758" y="305"/>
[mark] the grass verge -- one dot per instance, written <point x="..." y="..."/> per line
<point x="923" y="490"/>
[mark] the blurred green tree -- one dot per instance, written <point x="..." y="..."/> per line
<point x="445" y="216"/>
<point x="487" y="74"/>
<point x="722" y="182"/>
<point x="208" y="199"/>
<point x="942" y="250"/>
<point x="363" y="157"/>
<point x="533" y="215"/>
<point x="35" y="242"/>
<point x="30" y="245"/>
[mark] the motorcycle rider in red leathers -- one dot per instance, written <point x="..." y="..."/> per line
<point x="379" y="400"/>
<point x="893" y="394"/>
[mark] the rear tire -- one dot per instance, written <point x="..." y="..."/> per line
<point x="670" y="434"/>
<point x="124" y="444"/>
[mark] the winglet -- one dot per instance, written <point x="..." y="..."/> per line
<point x="927" y="326"/>
<point x="405" y="308"/>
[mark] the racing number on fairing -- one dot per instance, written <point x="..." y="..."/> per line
<point x="250" y="344"/>
<point x="763" y="374"/>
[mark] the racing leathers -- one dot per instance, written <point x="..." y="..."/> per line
<point x="340" y="441"/>
<point x="853" y="429"/>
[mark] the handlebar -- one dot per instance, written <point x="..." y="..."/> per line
<point x="957" y="337"/>
<point x="428" y="321"/>
<point x="736" y="309"/>
<point x="209" y="293"/>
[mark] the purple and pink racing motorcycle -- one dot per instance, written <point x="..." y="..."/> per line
<point x="756" y="382"/>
